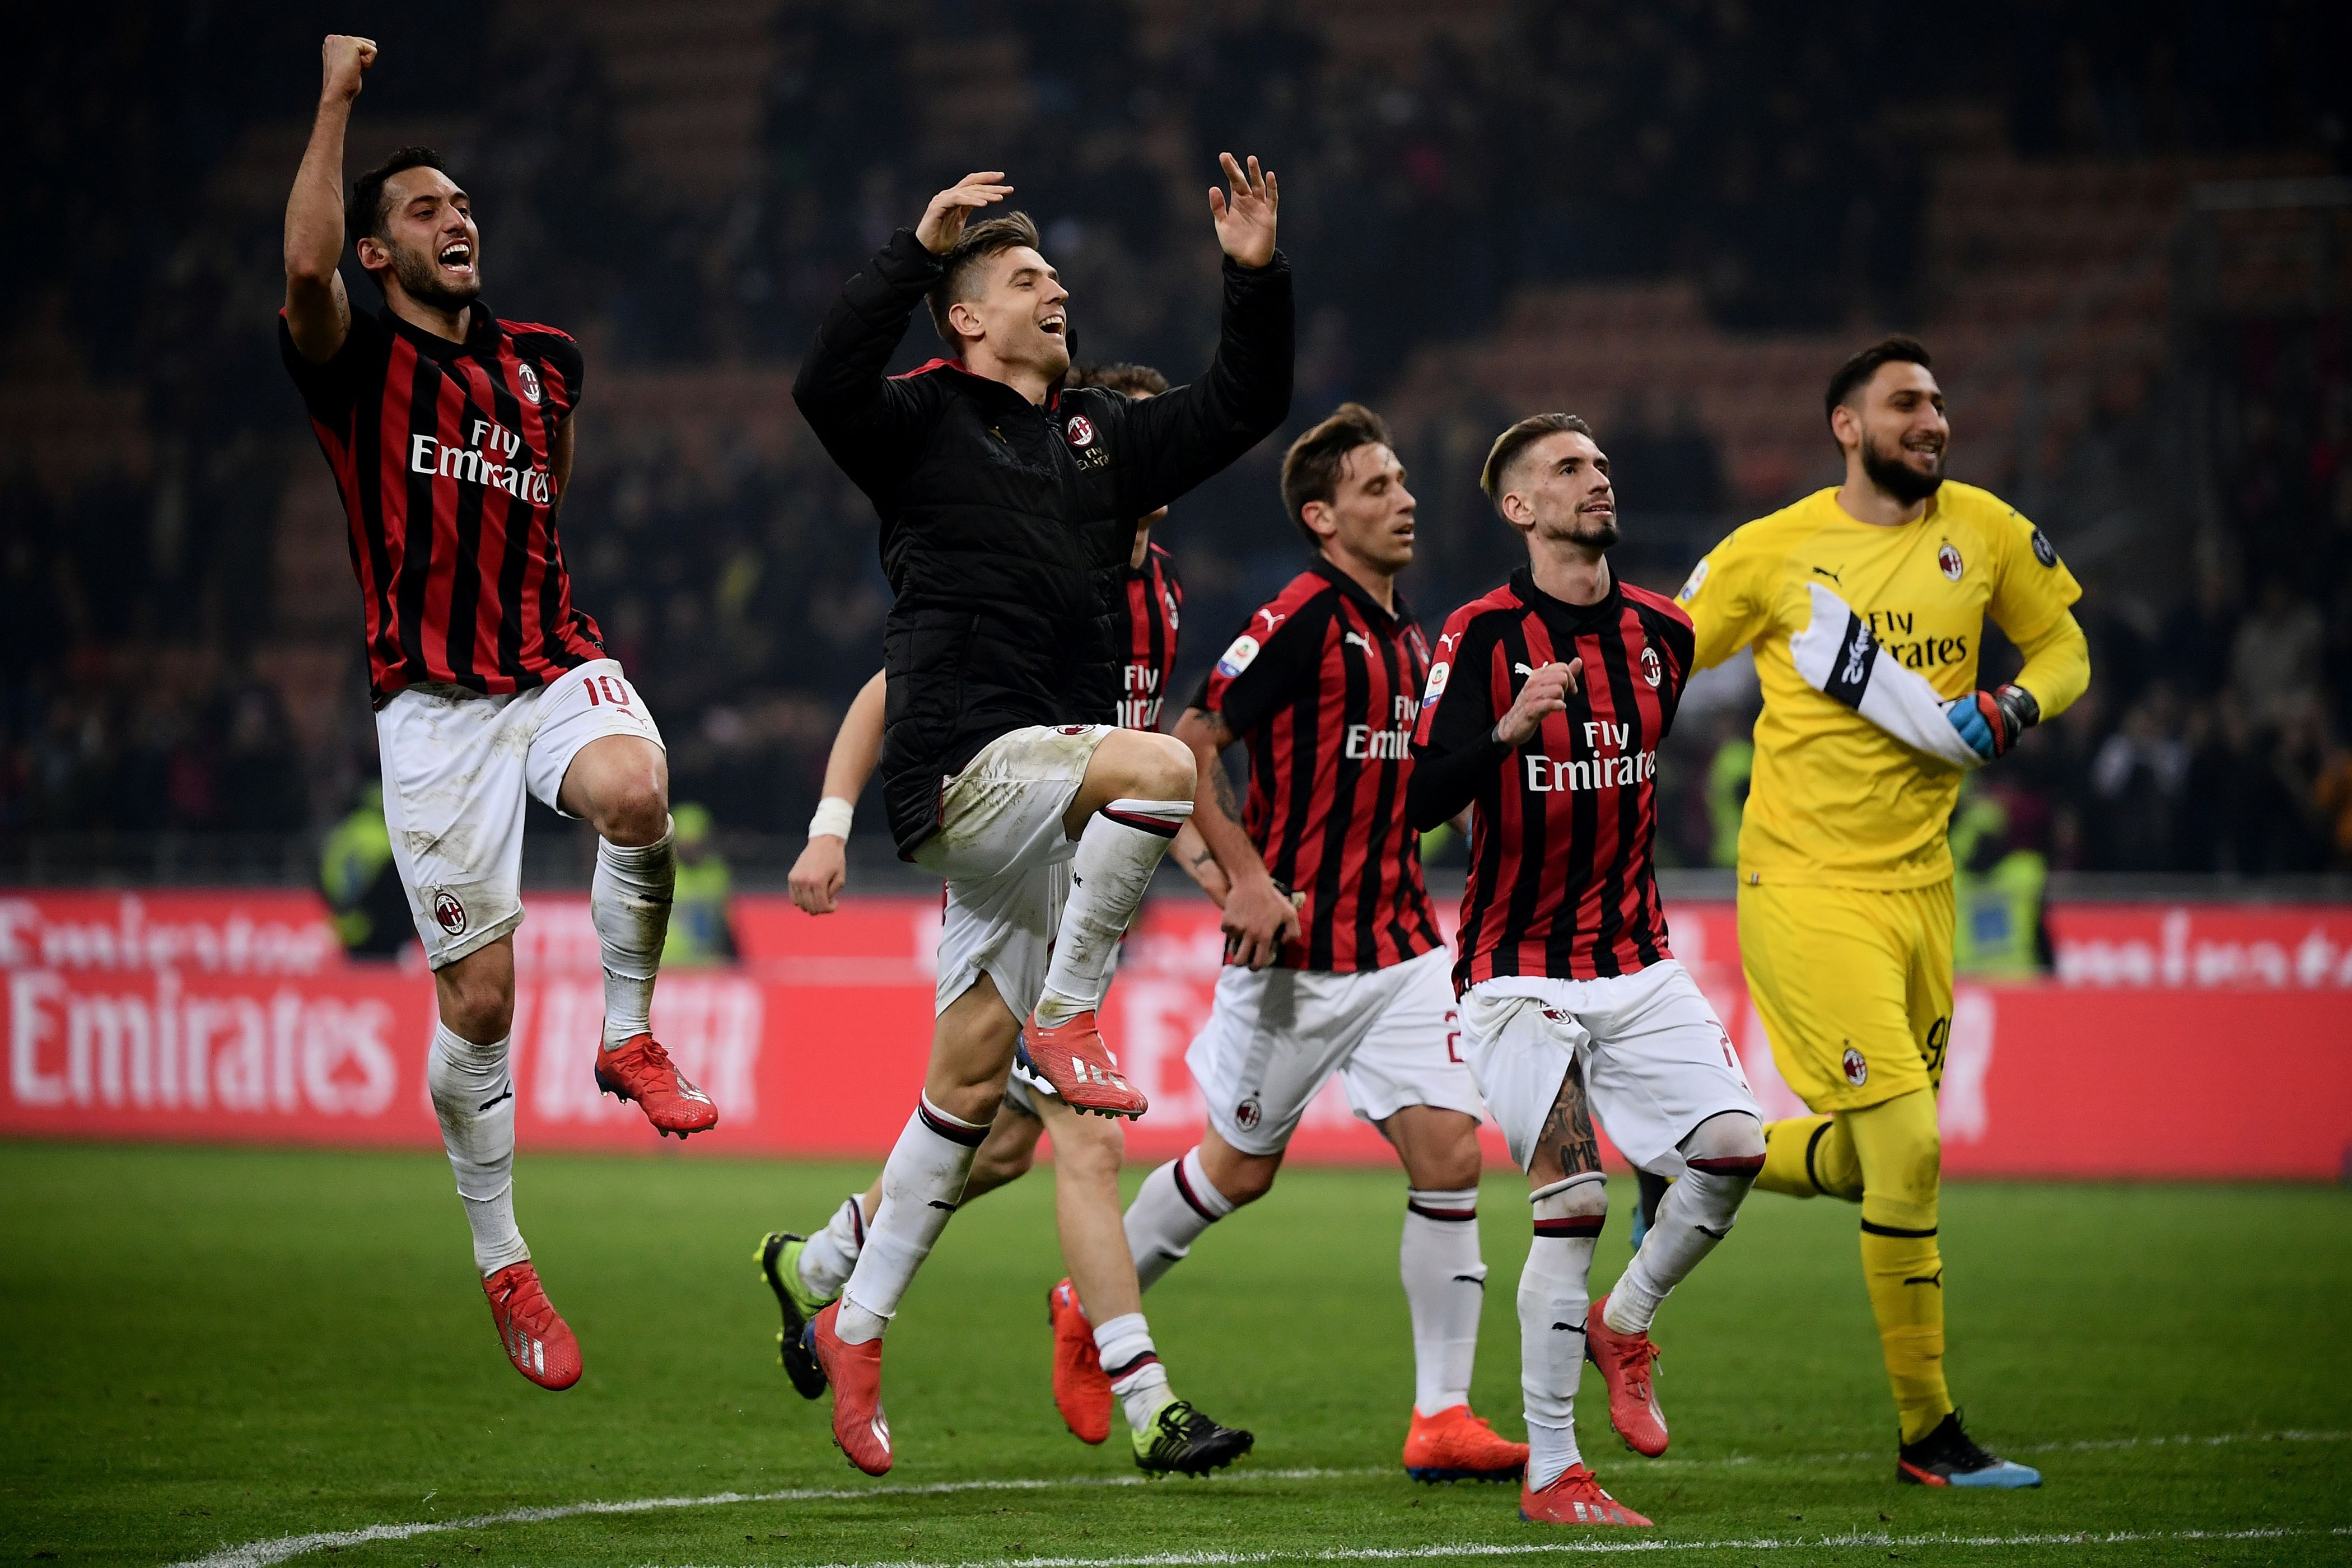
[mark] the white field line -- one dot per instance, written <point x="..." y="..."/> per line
<point x="282" y="1548"/>
<point x="1874" y="1540"/>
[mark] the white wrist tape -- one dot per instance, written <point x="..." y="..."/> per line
<point x="833" y="815"/>
<point x="1838" y="656"/>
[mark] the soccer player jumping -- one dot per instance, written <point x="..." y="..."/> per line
<point x="1866" y="605"/>
<point x="1544" y="715"/>
<point x="1334" y="962"/>
<point x="995" y="489"/>
<point x="1103" y="1349"/>
<point x="449" y="433"/>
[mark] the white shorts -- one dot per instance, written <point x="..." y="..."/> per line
<point x="1656" y="1060"/>
<point x="456" y="766"/>
<point x="1002" y="849"/>
<point x="1274" y="1034"/>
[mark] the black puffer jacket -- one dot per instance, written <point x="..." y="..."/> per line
<point x="998" y="516"/>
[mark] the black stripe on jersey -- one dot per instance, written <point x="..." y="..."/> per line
<point x="1619" y="672"/>
<point x="518" y="551"/>
<point x="1340" y="820"/>
<point x="1527" y="892"/>
<point x="1584" y="817"/>
<point x="1306" y="719"/>
<point x="1388" y="812"/>
<point x="417" y="549"/>
<point x="366" y="456"/>
<point x="465" y="578"/>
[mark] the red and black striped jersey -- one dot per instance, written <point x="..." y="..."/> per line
<point x="1153" y="610"/>
<point x="1562" y="882"/>
<point x="440" y="452"/>
<point x="1322" y="686"/>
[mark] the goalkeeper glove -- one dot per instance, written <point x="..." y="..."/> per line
<point x="1990" y="721"/>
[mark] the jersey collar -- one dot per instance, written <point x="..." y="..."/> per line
<point x="1523" y="584"/>
<point x="1322" y="567"/>
<point x="481" y="334"/>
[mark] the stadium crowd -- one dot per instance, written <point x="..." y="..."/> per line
<point x="152" y="674"/>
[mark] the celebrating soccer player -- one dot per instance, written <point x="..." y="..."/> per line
<point x="993" y="486"/>
<point x="1544" y="715"/>
<point x="1334" y="961"/>
<point x="1866" y="605"/>
<point x="1096" y="1314"/>
<point x="449" y="433"/>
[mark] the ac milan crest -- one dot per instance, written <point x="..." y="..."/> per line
<point x="1080" y="430"/>
<point x="1949" y="558"/>
<point x="448" y="913"/>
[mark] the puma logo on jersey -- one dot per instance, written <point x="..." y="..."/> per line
<point x="1831" y="575"/>
<point x="1447" y="639"/>
<point x="1359" y="638"/>
<point x="1523" y="669"/>
<point x="1272" y="620"/>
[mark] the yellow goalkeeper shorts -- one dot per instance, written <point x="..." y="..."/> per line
<point x="1854" y="987"/>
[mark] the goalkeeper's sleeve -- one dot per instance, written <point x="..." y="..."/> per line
<point x="2057" y="665"/>
<point x="1838" y="656"/>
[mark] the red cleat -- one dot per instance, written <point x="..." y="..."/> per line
<point x="1576" y="1498"/>
<point x="1456" y="1446"/>
<point x="855" y="1372"/>
<point x="1624" y="1362"/>
<point x="538" y="1340"/>
<point x="1072" y="1058"/>
<point x="1081" y="1387"/>
<point x="641" y="1071"/>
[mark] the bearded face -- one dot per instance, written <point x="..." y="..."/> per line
<point x="1906" y="464"/>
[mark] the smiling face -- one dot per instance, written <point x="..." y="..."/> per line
<point x="1559" y="491"/>
<point x="424" y="242"/>
<point x="1896" y="421"/>
<point x="1369" y="516"/>
<point x="1014" y="312"/>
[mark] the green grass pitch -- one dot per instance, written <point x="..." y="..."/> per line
<point x="208" y="1349"/>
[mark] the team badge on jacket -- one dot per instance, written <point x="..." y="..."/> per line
<point x="1080" y="430"/>
<point x="1949" y="558"/>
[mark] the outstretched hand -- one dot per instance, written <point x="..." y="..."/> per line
<point x="342" y="60"/>
<point x="944" y="219"/>
<point x="1245" y="219"/>
<point x="1545" y="694"/>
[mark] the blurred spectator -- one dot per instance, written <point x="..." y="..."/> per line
<point x="700" y="930"/>
<point x="361" y="884"/>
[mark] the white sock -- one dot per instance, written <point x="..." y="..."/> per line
<point x="922" y="1182"/>
<point x="1697" y="1212"/>
<point x="473" y="1096"/>
<point x="1117" y="854"/>
<point x="832" y="1253"/>
<point x="1133" y="1366"/>
<point x="628" y="900"/>
<point x="1174" y="1206"/>
<point x="1553" y="1300"/>
<point x="1445" y="1286"/>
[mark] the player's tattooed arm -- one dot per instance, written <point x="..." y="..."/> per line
<point x="1198" y="861"/>
<point x="1567" y="1146"/>
<point x="318" y="310"/>
<point x="1259" y="915"/>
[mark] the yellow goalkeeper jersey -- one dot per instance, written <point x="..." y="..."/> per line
<point x="1835" y="801"/>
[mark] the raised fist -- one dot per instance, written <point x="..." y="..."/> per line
<point x="343" y="61"/>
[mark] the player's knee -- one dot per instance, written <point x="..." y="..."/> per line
<point x="636" y="812"/>
<point x="1088" y="1156"/>
<point x="998" y="1162"/>
<point x="477" y="1003"/>
<point x="1580" y="1200"/>
<point x="1161" y="768"/>
<point x="1241" y="1178"/>
<point x="1728" y="1143"/>
<point x="1454" y="1165"/>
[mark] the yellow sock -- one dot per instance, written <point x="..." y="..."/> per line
<point x="1806" y="1155"/>
<point x="1900" y="1156"/>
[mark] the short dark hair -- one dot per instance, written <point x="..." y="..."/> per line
<point x="1861" y="366"/>
<point x="1133" y="380"/>
<point x="1312" y="467"/>
<point x="365" y="217"/>
<point x="979" y="241"/>
<point x="1517" y="439"/>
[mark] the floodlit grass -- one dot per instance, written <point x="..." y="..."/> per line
<point x="208" y="1349"/>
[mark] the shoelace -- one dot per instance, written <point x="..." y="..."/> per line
<point x="526" y="1306"/>
<point x="1638" y="1375"/>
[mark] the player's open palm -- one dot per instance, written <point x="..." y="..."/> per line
<point x="1244" y="219"/>
<point x="342" y="60"/>
<point x="1546" y="693"/>
<point x="944" y="219"/>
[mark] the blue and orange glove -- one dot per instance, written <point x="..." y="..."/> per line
<point x="1990" y="721"/>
